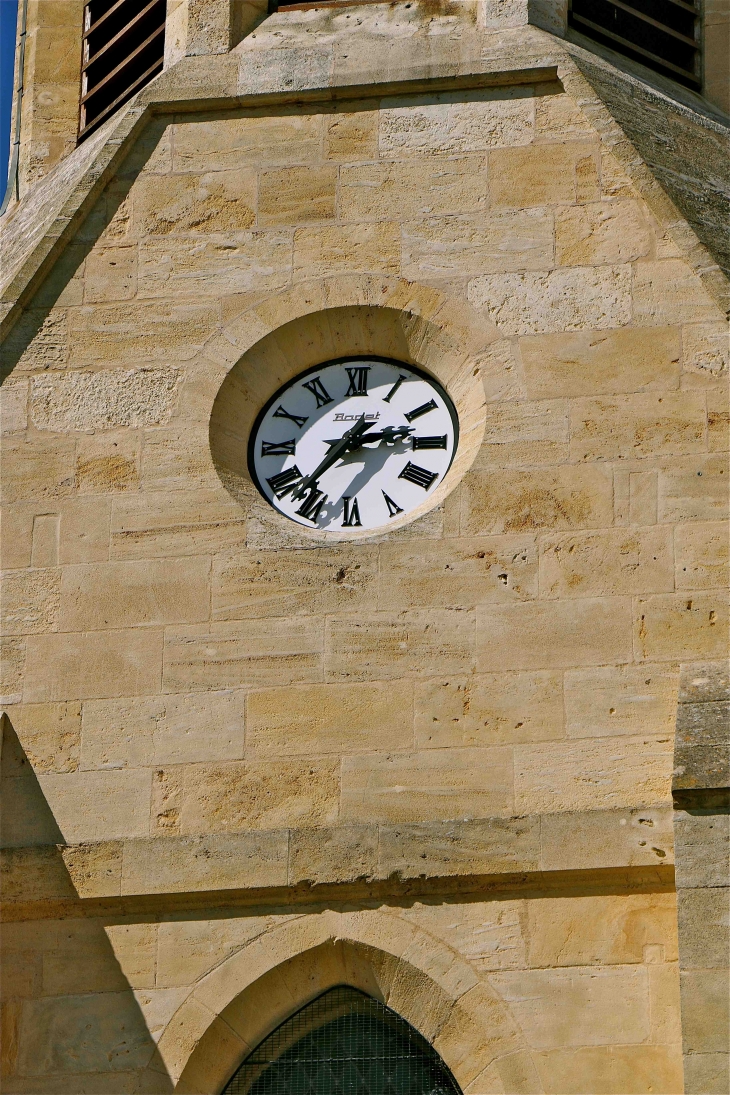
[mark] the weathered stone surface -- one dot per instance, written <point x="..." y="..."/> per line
<point x="601" y="232"/>
<point x="522" y="500"/>
<point x="543" y="174"/>
<point x="701" y="555"/>
<point x="525" y="433"/>
<point x="627" y="427"/>
<point x="163" y="524"/>
<point x="605" y="701"/>
<point x="103" y="400"/>
<point x="464" y="246"/>
<point x="30" y="601"/>
<point x="214" y="862"/>
<point x="614" y="561"/>
<point x="78" y="666"/>
<point x="693" y="489"/>
<point x="435" y="188"/>
<point x="50" y="734"/>
<point x="667" y="292"/>
<point x="90" y="806"/>
<point x="452" y="123"/>
<point x="386" y="646"/>
<point x="489" y="846"/>
<point x="669" y="626"/>
<point x="632" y="836"/>
<point x="562" y="300"/>
<point x="343" y="249"/>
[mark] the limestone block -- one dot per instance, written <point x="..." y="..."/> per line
<point x="176" y="458"/>
<point x="605" y="701"/>
<point x="189" y="946"/>
<point x="605" y="838"/>
<point x="390" y="646"/>
<point x="705" y="1008"/>
<point x="78" y="666"/>
<point x="95" y="870"/>
<point x="705" y="353"/>
<point x="703" y="848"/>
<point x="642" y="498"/>
<point x="561" y="300"/>
<point x="218" y="862"/>
<point x="589" y="363"/>
<point x="240" y="143"/>
<point x="344" y="853"/>
<point x="453" y="123"/>
<point x="90" y="806"/>
<point x="110" y="273"/>
<point x="13" y="406"/>
<point x="603" y="1070"/>
<point x="703" y="920"/>
<point x="231" y="796"/>
<point x="622" y="427"/>
<point x="263" y="653"/>
<point x="517" y="501"/>
<point x="489" y="709"/>
<point x="669" y="291"/>
<point x="84" y="1062"/>
<point x="704" y="682"/>
<point x="30" y="600"/>
<point x="550" y="635"/>
<point x="694" y="489"/>
<point x="481" y="846"/>
<point x="217" y="201"/>
<point x="84" y="531"/>
<point x="465" y="246"/>
<point x="50" y="734"/>
<point x="107" y="462"/>
<point x="172" y="729"/>
<point x="558" y="116"/>
<point x="12" y="666"/>
<point x="38" y="341"/>
<point x="718" y="421"/>
<point x="605" y="931"/>
<point x="266" y="583"/>
<point x="443" y="783"/>
<point x="675" y="627"/>
<point x="352" y="132"/>
<point x="596" y="773"/>
<point x="666" y="1021"/>
<point x="329" y="718"/>
<point x="174" y="523"/>
<point x="38" y="469"/>
<point x="77" y="957"/>
<point x="237" y="262"/>
<point x="340" y="249"/>
<point x="706" y="1072"/>
<point x="129" y="594"/>
<point x="577" y="1007"/>
<point x="140" y="331"/>
<point x="434" y="188"/>
<point x="103" y="400"/>
<point x="520" y="433"/>
<point x="540" y="174"/>
<point x="601" y="232"/>
<point x="701" y="554"/>
<point x="487" y="933"/>
<point x="612" y="561"/>
<point x="461" y="572"/>
<point x="297" y="195"/>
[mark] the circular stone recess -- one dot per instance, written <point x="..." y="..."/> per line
<point x="353" y="444"/>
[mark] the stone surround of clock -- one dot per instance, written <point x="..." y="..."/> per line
<point x="307" y="366"/>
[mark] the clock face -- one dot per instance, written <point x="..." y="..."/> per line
<point x="353" y="444"/>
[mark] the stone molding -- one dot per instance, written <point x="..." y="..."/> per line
<point x="588" y="848"/>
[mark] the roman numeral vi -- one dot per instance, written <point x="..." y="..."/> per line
<point x="358" y="380"/>
<point x="352" y="513"/>
<point x="420" y="476"/>
<point x="318" y="390"/>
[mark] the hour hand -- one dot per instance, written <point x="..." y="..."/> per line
<point x="336" y="450"/>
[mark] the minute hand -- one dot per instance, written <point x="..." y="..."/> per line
<point x="336" y="451"/>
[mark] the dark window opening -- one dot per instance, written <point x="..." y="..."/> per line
<point x="661" y="34"/>
<point x="123" y="48"/>
<point x="343" y="1043"/>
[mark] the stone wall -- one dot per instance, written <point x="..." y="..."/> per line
<point x="196" y="686"/>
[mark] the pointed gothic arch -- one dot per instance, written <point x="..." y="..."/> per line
<point x="344" y="1041"/>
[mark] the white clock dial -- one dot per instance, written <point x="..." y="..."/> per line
<point x="353" y="444"/>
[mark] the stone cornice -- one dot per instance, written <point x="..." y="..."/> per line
<point x="589" y="850"/>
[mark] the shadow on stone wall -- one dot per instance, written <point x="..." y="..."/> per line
<point x="71" y="1024"/>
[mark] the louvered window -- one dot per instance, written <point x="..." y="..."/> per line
<point x="661" y="34"/>
<point x="123" y="49"/>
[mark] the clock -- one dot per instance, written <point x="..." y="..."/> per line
<point x="353" y="444"/>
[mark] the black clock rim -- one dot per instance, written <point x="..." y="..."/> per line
<point x="325" y="365"/>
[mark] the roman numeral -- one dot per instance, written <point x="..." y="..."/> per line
<point x="318" y="390"/>
<point x="279" y="448"/>
<point x="352" y="513"/>
<point x="295" y="418"/>
<point x="423" y="409"/>
<point x="428" y="442"/>
<point x="420" y="476"/>
<point x="283" y="481"/>
<point x="395" y="388"/>
<point x="358" y="380"/>
<point x="393" y="507"/>
<point x="312" y="504"/>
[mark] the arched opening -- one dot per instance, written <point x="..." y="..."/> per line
<point x="343" y="1043"/>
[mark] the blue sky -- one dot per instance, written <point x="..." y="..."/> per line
<point x="8" y="15"/>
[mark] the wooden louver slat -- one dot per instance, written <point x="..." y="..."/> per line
<point x="123" y="48"/>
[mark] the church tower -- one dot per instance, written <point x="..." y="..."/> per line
<point x="365" y="489"/>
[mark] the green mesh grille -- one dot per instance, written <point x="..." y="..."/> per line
<point x="343" y="1043"/>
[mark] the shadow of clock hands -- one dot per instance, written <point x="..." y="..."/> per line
<point x="371" y="461"/>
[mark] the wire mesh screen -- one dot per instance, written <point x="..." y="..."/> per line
<point x="343" y="1043"/>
